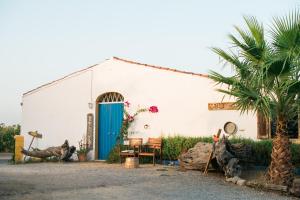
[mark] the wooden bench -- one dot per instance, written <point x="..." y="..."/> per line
<point x="133" y="148"/>
<point x="152" y="148"/>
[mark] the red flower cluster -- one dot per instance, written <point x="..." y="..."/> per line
<point x="126" y="103"/>
<point x="153" y="109"/>
<point x="130" y="118"/>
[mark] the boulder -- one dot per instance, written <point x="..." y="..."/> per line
<point x="196" y="157"/>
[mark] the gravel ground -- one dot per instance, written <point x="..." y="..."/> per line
<point x="5" y="157"/>
<point x="97" y="180"/>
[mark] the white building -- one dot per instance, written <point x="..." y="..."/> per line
<point x="59" y="109"/>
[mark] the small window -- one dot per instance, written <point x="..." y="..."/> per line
<point x="266" y="128"/>
<point x="263" y="126"/>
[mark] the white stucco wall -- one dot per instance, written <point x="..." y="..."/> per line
<point x="59" y="110"/>
<point x="182" y="100"/>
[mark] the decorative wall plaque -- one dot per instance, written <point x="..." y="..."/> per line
<point x="222" y="106"/>
<point x="90" y="130"/>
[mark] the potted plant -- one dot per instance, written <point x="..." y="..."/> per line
<point x="82" y="151"/>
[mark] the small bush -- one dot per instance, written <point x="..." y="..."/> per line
<point x="7" y="134"/>
<point x="173" y="146"/>
<point x="113" y="156"/>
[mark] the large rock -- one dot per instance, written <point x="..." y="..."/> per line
<point x="196" y="157"/>
<point x="226" y="157"/>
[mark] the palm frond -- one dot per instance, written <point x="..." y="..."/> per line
<point x="252" y="43"/>
<point x="266" y="75"/>
<point x="285" y="33"/>
<point x="234" y="61"/>
<point x="257" y="30"/>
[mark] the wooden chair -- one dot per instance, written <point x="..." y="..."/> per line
<point x="133" y="148"/>
<point x="152" y="148"/>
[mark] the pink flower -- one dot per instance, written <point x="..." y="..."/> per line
<point x="130" y="118"/>
<point x="126" y="103"/>
<point x="153" y="109"/>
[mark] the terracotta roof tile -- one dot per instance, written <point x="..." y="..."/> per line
<point x="159" y="67"/>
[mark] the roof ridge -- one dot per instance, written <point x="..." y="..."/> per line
<point x="116" y="58"/>
<point x="160" y="67"/>
<point x="59" y="79"/>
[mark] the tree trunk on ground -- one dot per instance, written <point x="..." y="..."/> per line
<point x="63" y="152"/>
<point x="281" y="169"/>
<point x="226" y="159"/>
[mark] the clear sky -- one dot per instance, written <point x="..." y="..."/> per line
<point x="43" y="40"/>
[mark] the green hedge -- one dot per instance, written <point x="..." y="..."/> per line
<point x="173" y="146"/>
<point x="261" y="150"/>
<point x="7" y="134"/>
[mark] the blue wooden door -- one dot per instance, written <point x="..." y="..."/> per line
<point x="110" y="122"/>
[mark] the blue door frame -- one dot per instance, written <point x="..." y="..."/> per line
<point x="110" y="123"/>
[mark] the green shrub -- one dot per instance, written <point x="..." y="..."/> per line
<point x="113" y="156"/>
<point x="7" y="134"/>
<point x="261" y="150"/>
<point x="173" y="146"/>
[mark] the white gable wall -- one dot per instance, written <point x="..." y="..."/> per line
<point x="59" y="110"/>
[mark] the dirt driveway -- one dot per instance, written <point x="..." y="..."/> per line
<point x="85" y="181"/>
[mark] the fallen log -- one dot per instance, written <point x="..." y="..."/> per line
<point x="63" y="152"/>
<point x="227" y="159"/>
<point x="241" y="151"/>
<point x="281" y="188"/>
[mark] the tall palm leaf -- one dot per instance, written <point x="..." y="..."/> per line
<point x="266" y="80"/>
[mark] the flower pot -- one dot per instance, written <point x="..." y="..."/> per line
<point x="81" y="157"/>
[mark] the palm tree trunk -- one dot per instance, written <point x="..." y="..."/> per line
<point x="281" y="169"/>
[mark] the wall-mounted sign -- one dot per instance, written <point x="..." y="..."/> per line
<point x="222" y="106"/>
<point x="90" y="130"/>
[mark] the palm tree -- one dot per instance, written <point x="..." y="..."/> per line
<point x="266" y="80"/>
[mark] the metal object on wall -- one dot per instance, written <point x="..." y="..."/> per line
<point x="146" y="126"/>
<point x="90" y="130"/>
<point x="230" y="128"/>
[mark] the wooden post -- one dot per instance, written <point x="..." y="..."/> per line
<point x="19" y="144"/>
<point x="211" y="153"/>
